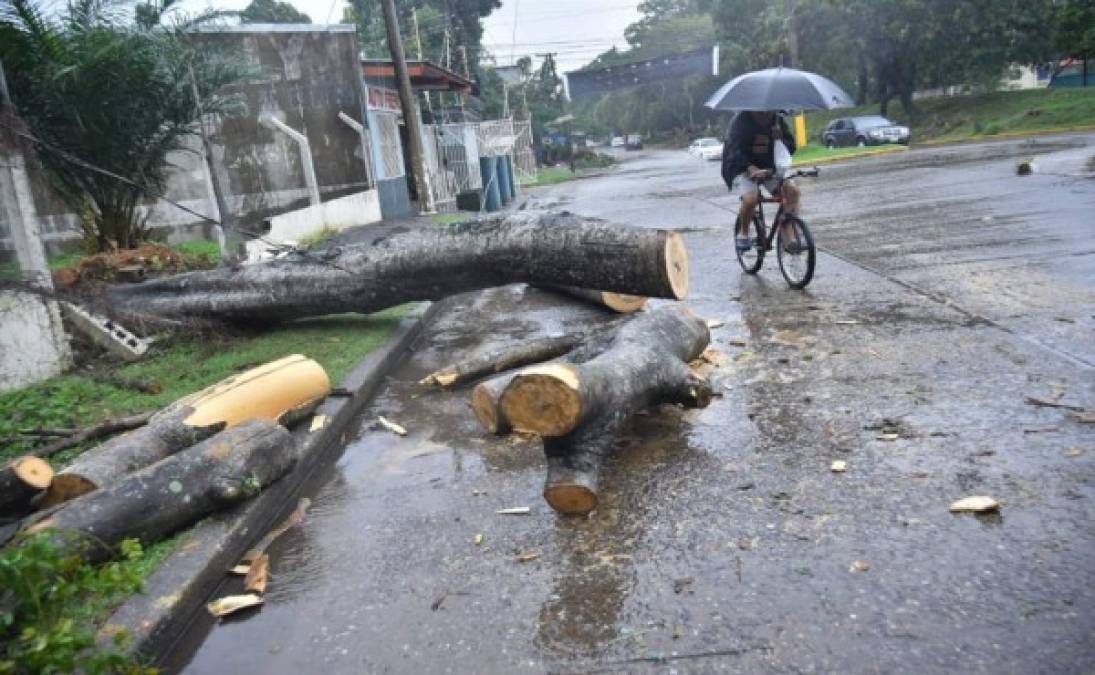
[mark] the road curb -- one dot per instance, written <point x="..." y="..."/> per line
<point x="155" y="620"/>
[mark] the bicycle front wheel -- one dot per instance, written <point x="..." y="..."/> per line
<point x="796" y="252"/>
<point x="752" y="259"/>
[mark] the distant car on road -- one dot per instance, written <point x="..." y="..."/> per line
<point x="618" y="142"/>
<point x="862" y="131"/>
<point x="634" y="142"/>
<point x="706" y="148"/>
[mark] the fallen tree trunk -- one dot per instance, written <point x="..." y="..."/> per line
<point x="150" y="504"/>
<point x="645" y="363"/>
<point x="617" y="302"/>
<point x="424" y="264"/>
<point x="487" y="395"/>
<point x="21" y="479"/>
<point x="276" y="391"/>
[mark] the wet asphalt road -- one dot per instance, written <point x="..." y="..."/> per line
<point x="949" y="290"/>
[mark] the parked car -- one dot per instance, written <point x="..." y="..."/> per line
<point x="706" y="148"/>
<point x="861" y="131"/>
<point x="634" y="142"/>
<point x="618" y="142"/>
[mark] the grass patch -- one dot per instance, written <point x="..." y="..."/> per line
<point x="819" y="154"/>
<point x="183" y="366"/>
<point x="1002" y="113"/>
<point x="451" y="218"/>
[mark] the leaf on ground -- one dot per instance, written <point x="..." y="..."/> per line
<point x="791" y="338"/>
<point x="859" y="566"/>
<point x="976" y="504"/>
<point x="1074" y="452"/>
<point x="232" y="604"/>
<point x="391" y="426"/>
<point x="838" y="466"/>
<point x="526" y="557"/>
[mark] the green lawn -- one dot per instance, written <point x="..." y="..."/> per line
<point x="183" y="366"/>
<point x="958" y="118"/>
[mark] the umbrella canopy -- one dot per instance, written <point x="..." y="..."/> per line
<point x="779" y="89"/>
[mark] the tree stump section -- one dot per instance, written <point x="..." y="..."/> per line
<point x="423" y="264"/>
<point x="621" y="303"/>
<point x="644" y="364"/>
<point x="223" y="470"/>
<point x="277" y="391"/>
<point x="21" y="479"/>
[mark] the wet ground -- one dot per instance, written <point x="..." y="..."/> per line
<point x="949" y="290"/>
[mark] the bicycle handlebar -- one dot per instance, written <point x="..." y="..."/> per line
<point x="805" y="173"/>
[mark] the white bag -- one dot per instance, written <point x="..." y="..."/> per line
<point x="782" y="157"/>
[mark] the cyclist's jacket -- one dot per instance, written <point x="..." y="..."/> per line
<point x="749" y="143"/>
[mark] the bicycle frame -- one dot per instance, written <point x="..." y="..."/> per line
<point x="776" y="198"/>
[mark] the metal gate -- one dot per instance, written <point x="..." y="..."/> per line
<point x="391" y="149"/>
<point x="524" y="158"/>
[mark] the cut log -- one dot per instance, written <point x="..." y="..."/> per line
<point x="645" y="363"/>
<point x="487" y="395"/>
<point x="176" y="492"/>
<point x="21" y="479"/>
<point x="424" y="264"/>
<point x="617" y="302"/>
<point x="283" y="389"/>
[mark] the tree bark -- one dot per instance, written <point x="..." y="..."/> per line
<point x="21" y="479"/>
<point x="171" y="494"/>
<point x="645" y="363"/>
<point x="275" y="391"/>
<point x="424" y="264"/>
<point x="617" y="302"/>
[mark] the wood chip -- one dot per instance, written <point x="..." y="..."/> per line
<point x="1074" y="452"/>
<point x="255" y="581"/>
<point x="479" y="540"/>
<point x="977" y="504"/>
<point x="391" y="426"/>
<point x="715" y="323"/>
<point x="515" y="511"/>
<point x="838" y="466"/>
<point x="737" y="342"/>
<point x="887" y="437"/>
<point x="240" y="570"/>
<point x="526" y="557"/>
<point x="847" y="322"/>
<point x="1085" y="417"/>
<point x="859" y="566"/>
<point x="714" y="357"/>
<point x="318" y="422"/>
<point x="233" y="603"/>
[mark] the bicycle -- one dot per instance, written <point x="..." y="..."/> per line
<point x="798" y="256"/>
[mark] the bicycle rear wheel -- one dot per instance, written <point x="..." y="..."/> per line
<point x="752" y="259"/>
<point x="795" y="251"/>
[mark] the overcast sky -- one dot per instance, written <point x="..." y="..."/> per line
<point x="575" y="30"/>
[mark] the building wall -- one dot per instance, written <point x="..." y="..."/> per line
<point x="306" y="75"/>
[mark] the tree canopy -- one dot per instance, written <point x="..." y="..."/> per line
<point x="272" y="11"/>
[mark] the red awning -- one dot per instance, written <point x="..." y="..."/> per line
<point x="425" y="76"/>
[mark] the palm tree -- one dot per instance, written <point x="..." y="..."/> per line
<point x="108" y="98"/>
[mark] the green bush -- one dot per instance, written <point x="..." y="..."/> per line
<point x="48" y="601"/>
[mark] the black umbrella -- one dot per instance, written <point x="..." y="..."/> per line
<point x="779" y="89"/>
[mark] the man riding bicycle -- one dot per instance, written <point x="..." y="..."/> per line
<point x="749" y="149"/>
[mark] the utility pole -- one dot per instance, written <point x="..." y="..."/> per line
<point x="467" y="76"/>
<point x="418" y="43"/>
<point x="410" y="114"/>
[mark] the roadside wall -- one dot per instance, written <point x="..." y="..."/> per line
<point x="306" y="75"/>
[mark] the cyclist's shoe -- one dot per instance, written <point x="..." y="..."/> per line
<point x="794" y="248"/>
<point x="743" y="244"/>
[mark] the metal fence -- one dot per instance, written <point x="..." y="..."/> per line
<point x="524" y="158"/>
